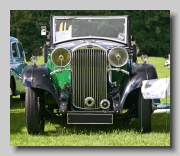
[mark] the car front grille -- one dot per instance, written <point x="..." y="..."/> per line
<point x="89" y="76"/>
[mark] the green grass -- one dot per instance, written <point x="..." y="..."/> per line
<point x="40" y="60"/>
<point x="58" y="133"/>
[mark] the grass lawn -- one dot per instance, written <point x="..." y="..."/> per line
<point x="58" y="133"/>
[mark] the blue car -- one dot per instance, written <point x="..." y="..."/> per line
<point x="17" y="65"/>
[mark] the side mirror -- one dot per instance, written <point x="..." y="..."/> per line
<point x="46" y="33"/>
<point x="43" y="30"/>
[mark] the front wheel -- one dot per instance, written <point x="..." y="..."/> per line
<point x="34" y="108"/>
<point x="144" y="113"/>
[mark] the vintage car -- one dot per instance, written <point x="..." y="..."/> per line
<point x="17" y="64"/>
<point x="90" y="75"/>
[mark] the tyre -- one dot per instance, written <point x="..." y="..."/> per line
<point x="144" y="113"/>
<point x="34" y="108"/>
<point x="22" y="96"/>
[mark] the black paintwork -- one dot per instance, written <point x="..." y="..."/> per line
<point x="140" y="72"/>
<point x="37" y="77"/>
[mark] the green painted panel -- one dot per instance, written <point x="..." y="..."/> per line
<point x="59" y="79"/>
<point x="116" y="76"/>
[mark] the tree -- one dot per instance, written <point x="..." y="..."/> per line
<point x="151" y="28"/>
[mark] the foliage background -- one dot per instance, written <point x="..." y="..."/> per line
<point x="151" y="28"/>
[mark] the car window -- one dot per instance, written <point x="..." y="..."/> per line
<point x="14" y="50"/>
<point x="20" y="49"/>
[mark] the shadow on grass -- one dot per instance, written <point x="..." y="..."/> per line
<point x="17" y="116"/>
<point x="17" y="103"/>
<point x="160" y="124"/>
<point x="63" y="128"/>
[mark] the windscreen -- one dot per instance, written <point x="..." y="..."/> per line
<point x="68" y="28"/>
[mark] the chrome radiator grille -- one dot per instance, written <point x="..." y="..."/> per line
<point x="89" y="76"/>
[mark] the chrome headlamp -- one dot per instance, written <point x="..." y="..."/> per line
<point x="118" y="57"/>
<point x="60" y="57"/>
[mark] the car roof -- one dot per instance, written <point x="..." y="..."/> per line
<point x="12" y="39"/>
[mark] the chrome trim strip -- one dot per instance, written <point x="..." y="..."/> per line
<point x="84" y="46"/>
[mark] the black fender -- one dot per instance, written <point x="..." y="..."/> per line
<point x="141" y="72"/>
<point x="38" y="77"/>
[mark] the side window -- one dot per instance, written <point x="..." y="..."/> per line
<point x="14" y="50"/>
<point x="20" y="49"/>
